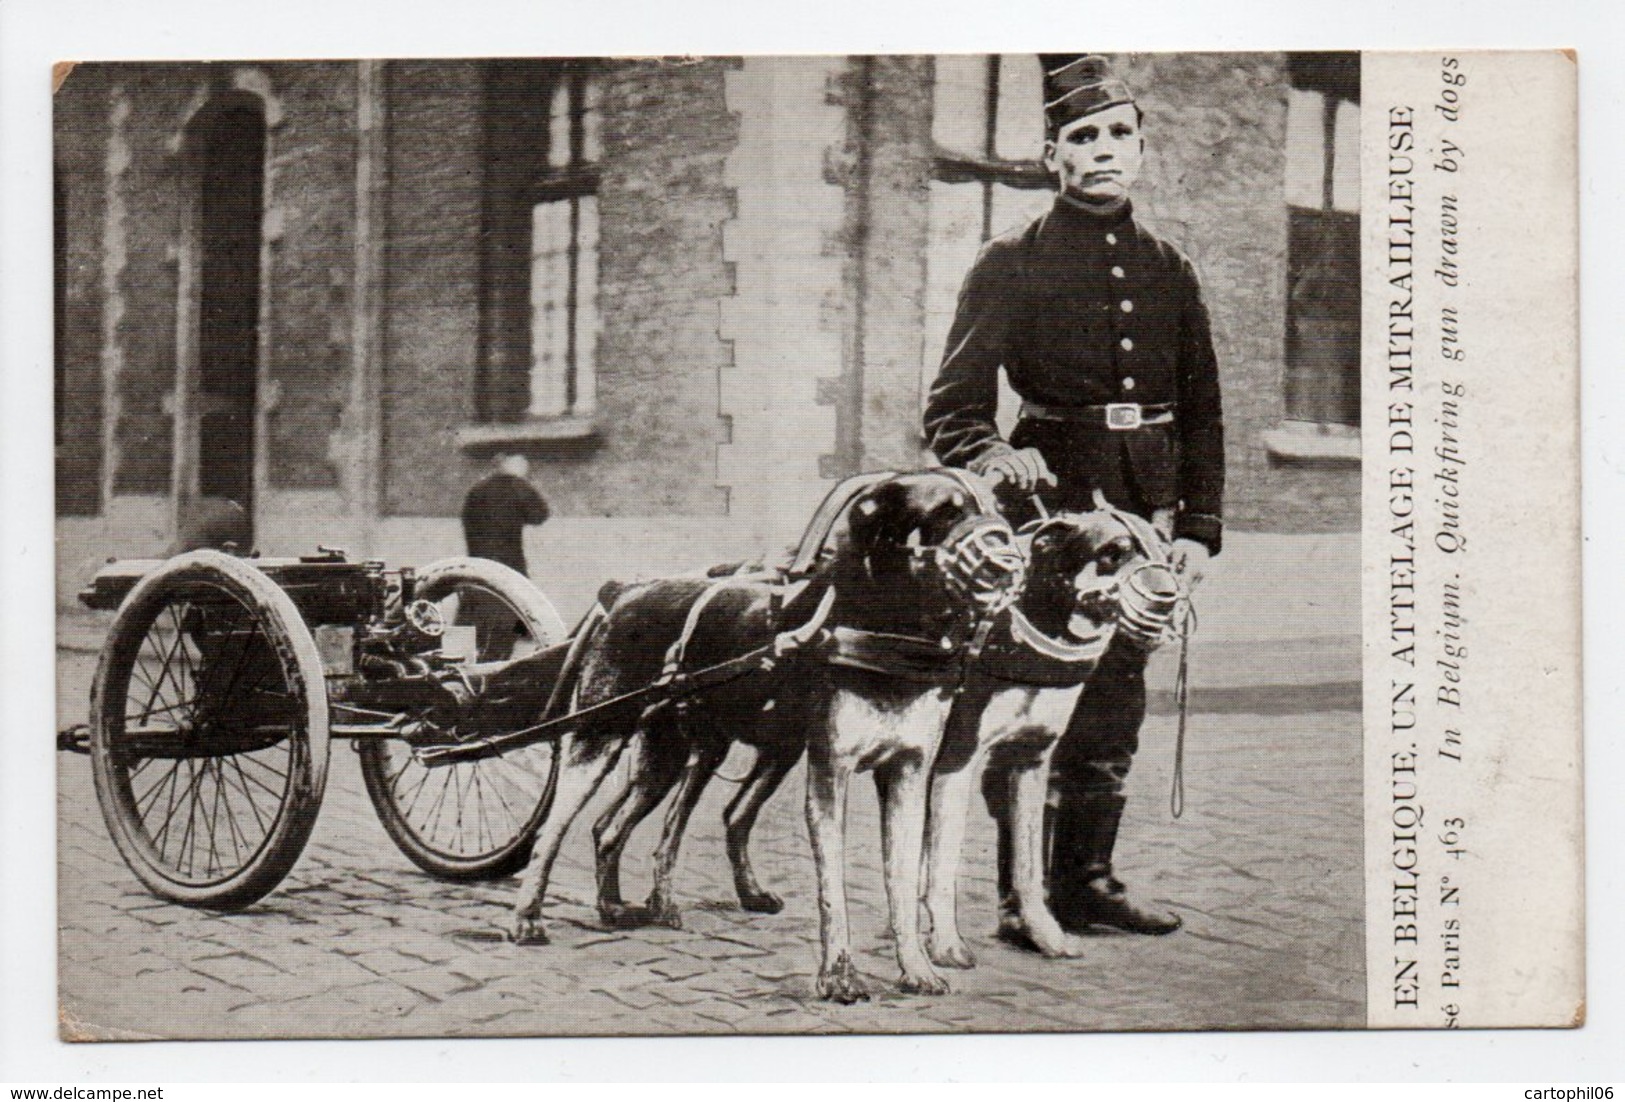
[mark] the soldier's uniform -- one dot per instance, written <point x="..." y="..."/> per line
<point x="1101" y="328"/>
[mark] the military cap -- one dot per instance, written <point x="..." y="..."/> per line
<point x="1079" y="87"/>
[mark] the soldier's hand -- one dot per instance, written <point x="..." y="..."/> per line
<point x="1189" y="560"/>
<point x="1025" y="470"/>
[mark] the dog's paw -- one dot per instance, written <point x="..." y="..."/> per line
<point x="922" y="982"/>
<point x="1053" y="944"/>
<point x="526" y="931"/>
<point x="951" y="953"/>
<point x="762" y="903"/>
<point x="624" y="916"/>
<point x="664" y="912"/>
<point x="840" y="983"/>
<point x="1061" y="947"/>
<point x="1013" y="932"/>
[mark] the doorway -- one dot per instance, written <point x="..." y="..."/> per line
<point x="221" y="381"/>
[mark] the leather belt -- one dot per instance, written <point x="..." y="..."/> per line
<point x="1117" y="416"/>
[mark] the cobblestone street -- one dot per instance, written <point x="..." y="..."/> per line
<point x="1264" y="866"/>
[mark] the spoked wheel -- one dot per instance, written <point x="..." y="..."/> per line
<point x="471" y="820"/>
<point x="209" y="732"/>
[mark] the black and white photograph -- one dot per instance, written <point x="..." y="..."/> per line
<point x="509" y="510"/>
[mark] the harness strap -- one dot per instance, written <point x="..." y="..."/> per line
<point x="788" y="642"/>
<point x="672" y="672"/>
<point x="823" y="521"/>
<point x="904" y="657"/>
<point x="1182" y="702"/>
<point x="1026" y="656"/>
<point x="1145" y="537"/>
<point x="574" y="656"/>
<point x="1023" y="632"/>
<point x="758" y="660"/>
<point x="784" y="644"/>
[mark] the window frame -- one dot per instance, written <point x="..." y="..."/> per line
<point x="519" y="178"/>
<point x="984" y="166"/>
<point x="1321" y="423"/>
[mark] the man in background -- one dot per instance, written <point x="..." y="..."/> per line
<point x="496" y="512"/>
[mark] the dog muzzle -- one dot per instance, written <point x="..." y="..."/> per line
<point x="981" y="562"/>
<point x="1147" y="599"/>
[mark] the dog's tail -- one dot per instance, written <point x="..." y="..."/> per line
<point x="586" y="634"/>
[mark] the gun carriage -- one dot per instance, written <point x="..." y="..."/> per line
<point x="224" y="680"/>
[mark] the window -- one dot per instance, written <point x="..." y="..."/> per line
<point x="541" y="319"/>
<point x="1322" y="384"/>
<point x="987" y="174"/>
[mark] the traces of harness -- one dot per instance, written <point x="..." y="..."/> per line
<point x="1182" y="703"/>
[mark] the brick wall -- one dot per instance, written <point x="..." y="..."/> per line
<point x="146" y="105"/>
<point x="662" y="202"/>
<point x="126" y="181"/>
<point x="670" y="133"/>
<point x="431" y="301"/>
<point x="890" y="124"/>
<point x="80" y="110"/>
<point x="1214" y="183"/>
<point x="310" y="168"/>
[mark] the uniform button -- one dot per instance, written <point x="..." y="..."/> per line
<point x="1128" y="307"/>
<point x="1111" y="239"/>
<point x="1117" y="273"/>
<point x="1127" y="344"/>
<point x="1128" y="383"/>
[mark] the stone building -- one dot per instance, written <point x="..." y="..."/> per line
<point x="693" y="291"/>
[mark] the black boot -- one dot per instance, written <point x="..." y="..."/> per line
<point x="1082" y="890"/>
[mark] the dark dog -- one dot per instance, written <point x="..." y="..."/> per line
<point x="910" y="561"/>
<point x="1012" y="712"/>
<point x="683" y="745"/>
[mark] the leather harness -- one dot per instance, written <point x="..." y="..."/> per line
<point x="1018" y="654"/>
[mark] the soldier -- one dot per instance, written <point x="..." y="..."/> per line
<point x="1101" y="329"/>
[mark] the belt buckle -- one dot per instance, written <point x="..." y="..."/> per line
<point x="1123" y="416"/>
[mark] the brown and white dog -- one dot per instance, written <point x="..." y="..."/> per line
<point x="1009" y="714"/>
<point x="1016" y="703"/>
<point x="918" y="561"/>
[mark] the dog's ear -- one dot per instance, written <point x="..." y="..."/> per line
<point x="879" y="517"/>
<point x="1051" y="538"/>
<point x="1067" y="544"/>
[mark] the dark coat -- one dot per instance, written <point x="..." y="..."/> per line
<point x="1083" y="310"/>
<point x="495" y="514"/>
